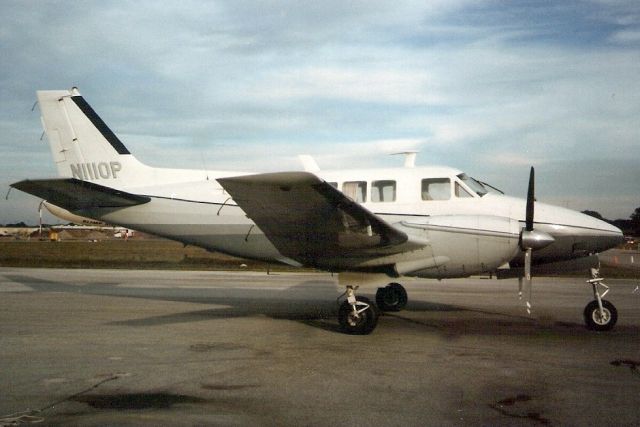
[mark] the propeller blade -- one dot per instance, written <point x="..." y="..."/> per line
<point x="520" y="288"/>
<point x="530" y="201"/>
<point x="527" y="278"/>
<point x="528" y="240"/>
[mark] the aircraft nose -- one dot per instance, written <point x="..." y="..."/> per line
<point x="603" y="235"/>
<point x="576" y="232"/>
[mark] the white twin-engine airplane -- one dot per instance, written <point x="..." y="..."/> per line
<point x="367" y="225"/>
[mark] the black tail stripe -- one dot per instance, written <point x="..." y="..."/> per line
<point x="100" y="125"/>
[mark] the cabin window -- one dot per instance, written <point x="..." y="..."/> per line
<point x="383" y="191"/>
<point x="436" y="189"/>
<point x="357" y="190"/>
<point x="461" y="192"/>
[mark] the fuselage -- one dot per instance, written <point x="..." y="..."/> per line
<point x="469" y="228"/>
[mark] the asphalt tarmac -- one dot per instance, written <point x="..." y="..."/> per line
<point x="115" y="347"/>
<point x="621" y="258"/>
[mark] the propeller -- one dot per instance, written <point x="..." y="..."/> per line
<point x="530" y="240"/>
<point x="530" y="200"/>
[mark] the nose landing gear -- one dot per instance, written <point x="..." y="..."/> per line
<point x="599" y="314"/>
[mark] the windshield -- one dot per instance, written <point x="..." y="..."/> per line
<point x="490" y="187"/>
<point x="473" y="184"/>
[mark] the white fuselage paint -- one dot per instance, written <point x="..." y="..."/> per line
<point x="465" y="235"/>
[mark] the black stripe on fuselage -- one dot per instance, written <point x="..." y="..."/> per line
<point x="375" y="213"/>
<point x="234" y="205"/>
<point x="189" y="200"/>
<point x="100" y="125"/>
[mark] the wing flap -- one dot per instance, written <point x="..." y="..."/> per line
<point x="310" y="221"/>
<point x="74" y="194"/>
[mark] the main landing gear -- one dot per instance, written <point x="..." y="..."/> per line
<point x="599" y="314"/>
<point x="392" y="297"/>
<point x="359" y="316"/>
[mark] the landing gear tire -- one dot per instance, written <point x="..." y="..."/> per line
<point x="362" y="321"/>
<point x="600" y="321"/>
<point x="392" y="297"/>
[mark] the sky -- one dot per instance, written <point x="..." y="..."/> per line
<point x="489" y="87"/>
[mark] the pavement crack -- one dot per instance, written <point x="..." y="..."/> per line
<point x="508" y="407"/>
<point x="31" y="416"/>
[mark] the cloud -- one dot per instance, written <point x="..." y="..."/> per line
<point x="482" y="86"/>
<point x="367" y="84"/>
<point x="626" y="36"/>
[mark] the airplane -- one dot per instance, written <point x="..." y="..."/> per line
<point x="371" y="226"/>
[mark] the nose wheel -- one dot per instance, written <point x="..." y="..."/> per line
<point x="600" y="319"/>
<point x="599" y="314"/>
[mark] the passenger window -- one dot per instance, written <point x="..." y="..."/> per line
<point x="436" y="189"/>
<point x="461" y="192"/>
<point x="383" y="191"/>
<point x="357" y="190"/>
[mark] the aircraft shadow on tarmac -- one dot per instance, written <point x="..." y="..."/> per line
<point x="312" y="303"/>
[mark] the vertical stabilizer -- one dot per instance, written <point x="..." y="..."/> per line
<point x="82" y="145"/>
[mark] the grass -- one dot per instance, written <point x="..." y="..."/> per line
<point x="131" y="254"/>
<point x="158" y="254"/>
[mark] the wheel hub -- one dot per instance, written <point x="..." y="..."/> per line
<point x="601" y="318"/>
<point x="354" y="319"/>
<point x="391" y="298"/>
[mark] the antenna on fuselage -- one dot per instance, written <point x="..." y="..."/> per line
<point x="409" y="158"/>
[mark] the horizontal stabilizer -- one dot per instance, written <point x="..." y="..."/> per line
<point x="74" y="194"/>
<point x="310" y="221"/>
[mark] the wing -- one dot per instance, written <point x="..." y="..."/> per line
<point x="311" y="222"/>
<point x="74" y="194"/>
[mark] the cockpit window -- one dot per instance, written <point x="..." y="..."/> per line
<point x="460" y="191"/>
<point x="436" y="189"/>
<point x="473" y="184"/>
<point x="490" y="188"/>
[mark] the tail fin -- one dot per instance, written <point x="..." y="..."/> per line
<point x="82" y="145"/>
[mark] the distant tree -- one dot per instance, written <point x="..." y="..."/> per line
<point x="624" y="225"/>
<point x="635" y="220"/>
<point x="594" y="214"/>
<point x="18" y="224"/>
